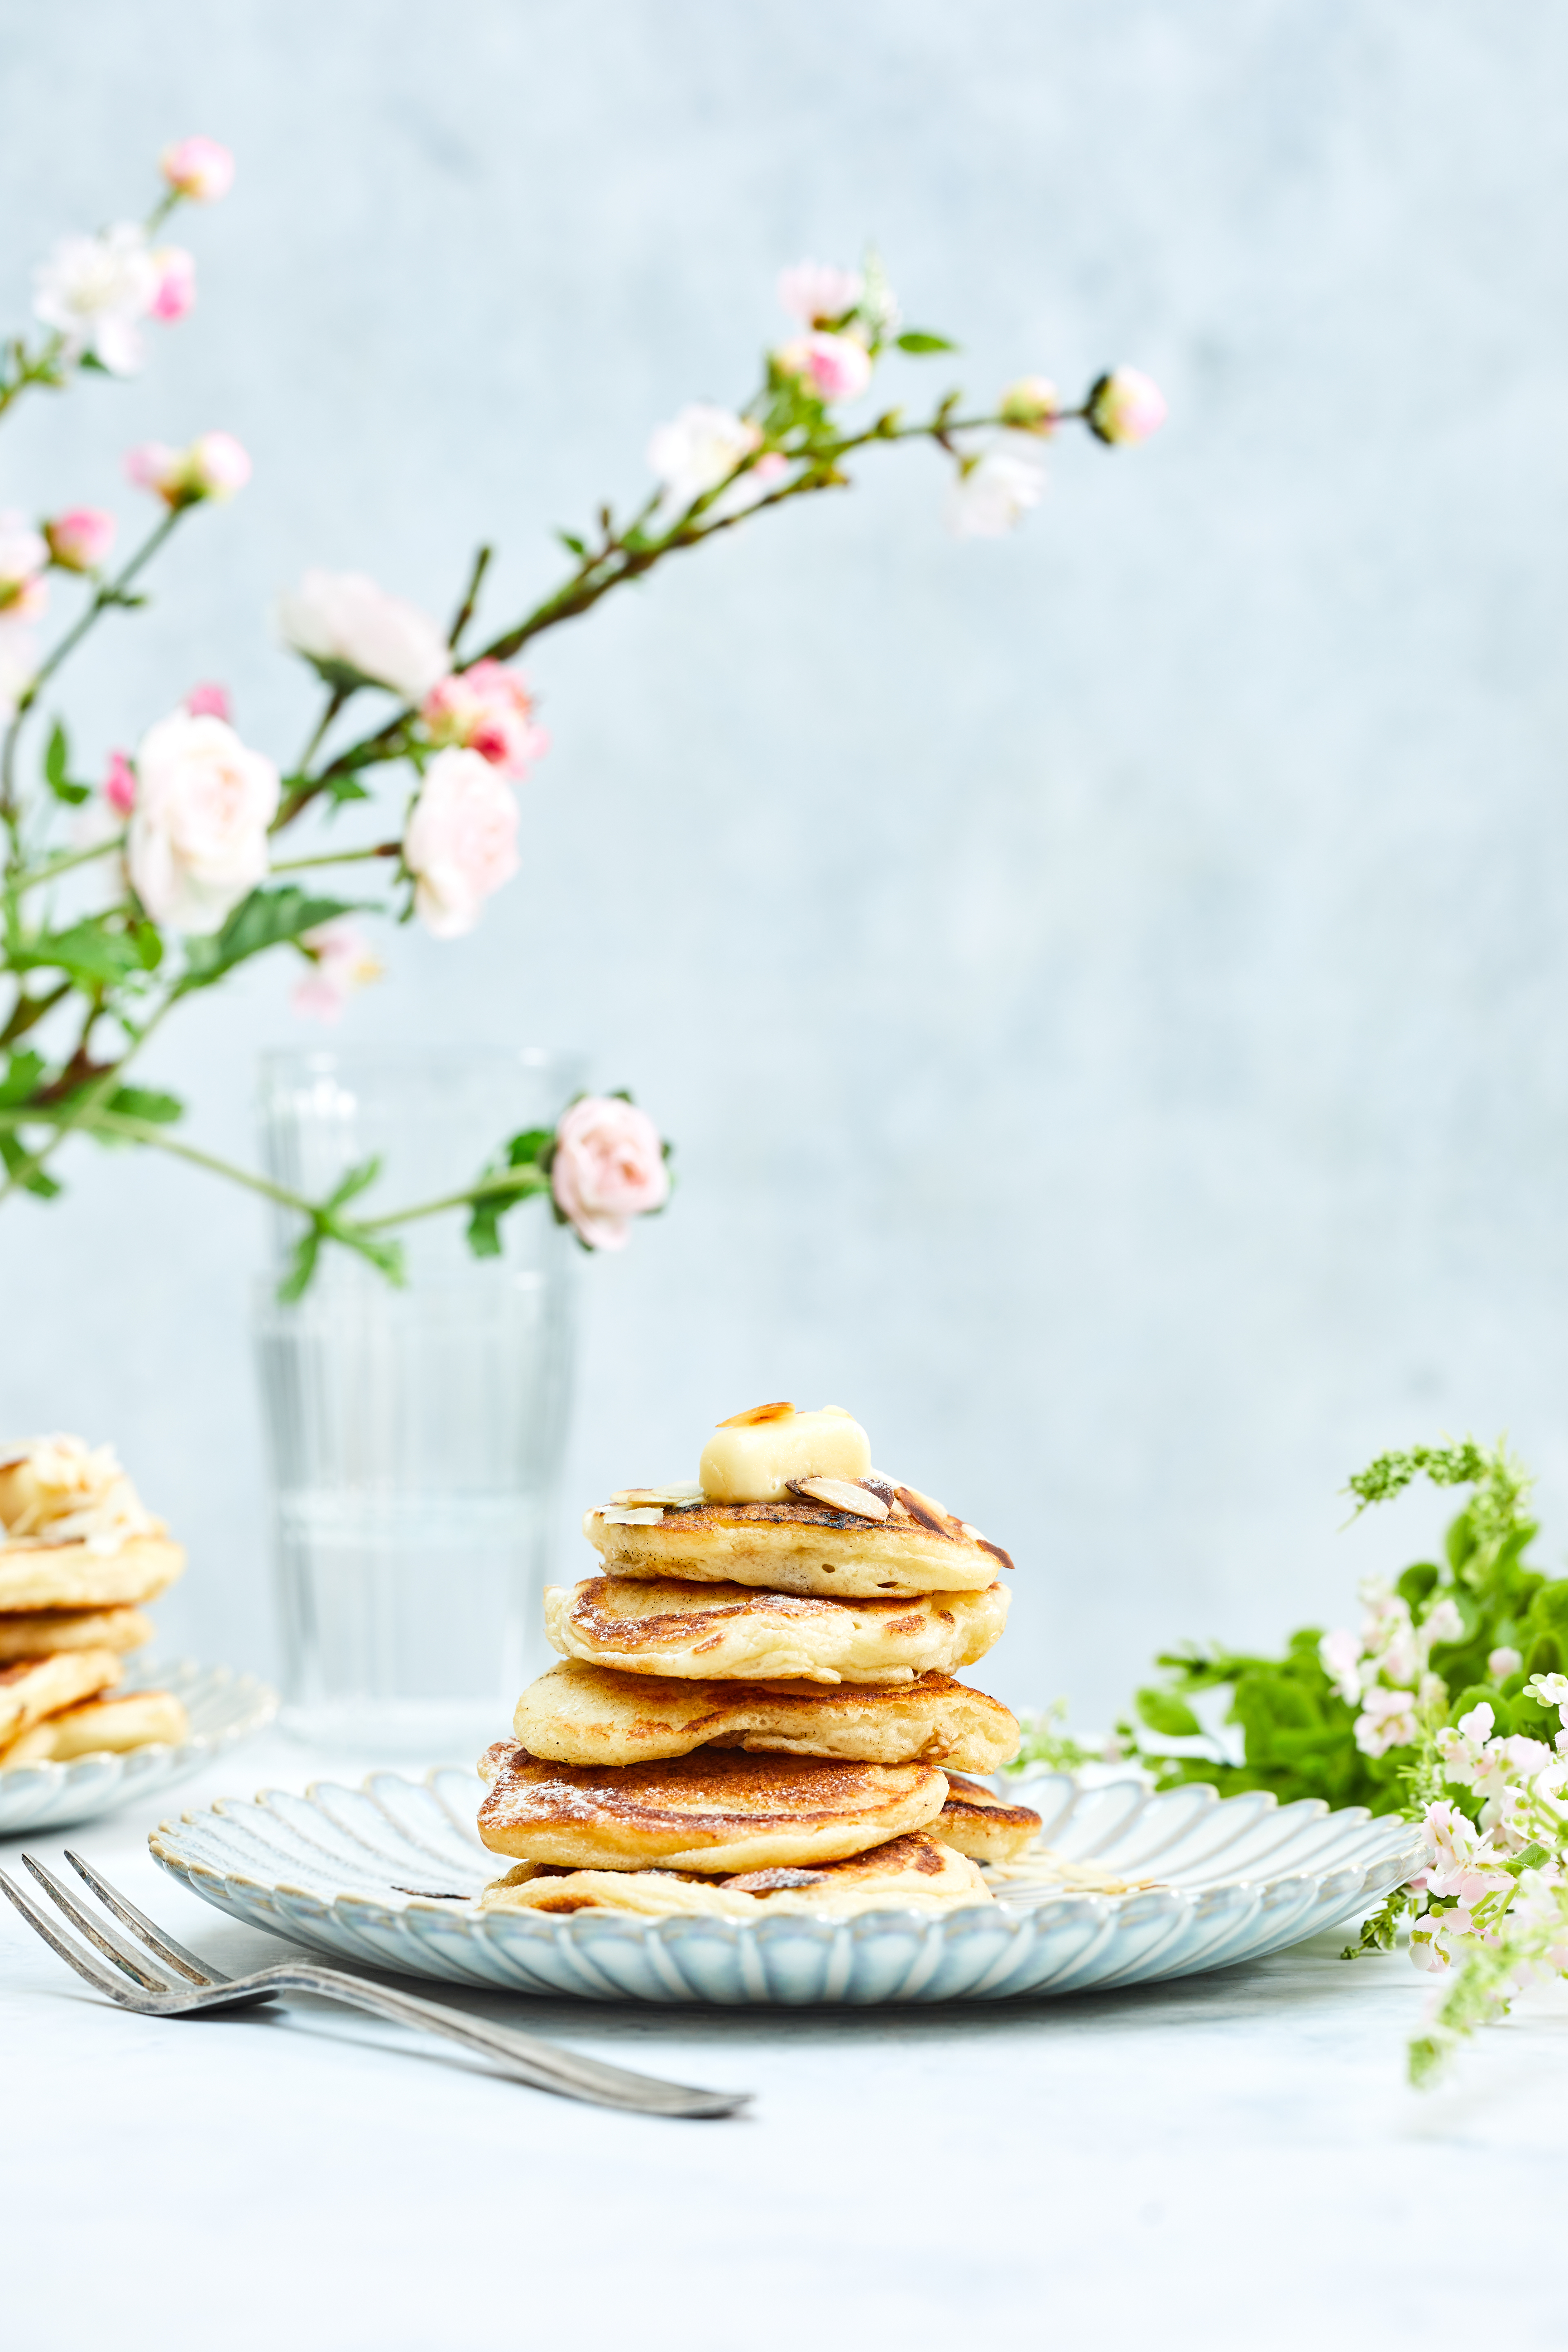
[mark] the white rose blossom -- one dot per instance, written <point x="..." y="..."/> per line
<point x="996" y="490"/>
<point x="95" y="292"/>
<point x="461" y="841"/>
<point x="197" y="842"/>
<point x="697" y="450"/>
<point x="354" y="631"/>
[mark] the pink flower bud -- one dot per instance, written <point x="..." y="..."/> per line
<point x="487" y="708"/>
<point x="1032" y="403"/>
<point x="214" y="466"/>
<point x="81" y="539"/>
<point x="198" y="168"/>
<point x="1125" y="405"/>
<point x="209" y="702"/>
<point x="175" y="292"/>
<point x="838" y="367"/>
<point x="120" y="784"/>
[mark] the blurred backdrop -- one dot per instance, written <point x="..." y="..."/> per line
<point x="1106" y="987"/>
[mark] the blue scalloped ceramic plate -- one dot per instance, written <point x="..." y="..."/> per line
<point x="387" y="1874"/>
<point x="223" y="1706"/>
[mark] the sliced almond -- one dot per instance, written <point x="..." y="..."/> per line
<point x="996" y="1552"/>
<point x="648" y="1519"/>
<point x="922" y="1508"/>
<point x="840" y="1494"/>
<point x="758" y="1412"/>
<point x="874" y="1483"/>
<point x="631" y="1498"/>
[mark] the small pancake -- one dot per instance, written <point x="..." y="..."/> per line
<point x="39" y="1632"/>
<point x="801" y="1548"/>
<point x="908" y="1873"/>
<point x="716" y="1812"/>
<point x="38" y="1574"/>
<point x="137" y="1719"/>
<point x="984" y="1825"/>
<point x="33" y="1688"/>
<point x="579" y="1714"/>
<point x="729" y="1633"/>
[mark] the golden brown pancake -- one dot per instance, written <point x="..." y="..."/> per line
<point x="33" y="1688"/>
<point x="136" y="1719"/>
<point x="801" y="1547"/>
<point x="579" y="1714"/>
<point x="38" y="1574"/>
<point x="38" y="1632"/>
<point x="984" y="1825"/>
<point x="908" y="1873"/>
<point x="715" y="1812"/>
<point x="731" y="1633"/>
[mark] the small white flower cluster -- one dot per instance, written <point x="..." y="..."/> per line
<point x="1384" y="1667"/>
<point x="1498" y="1888"/>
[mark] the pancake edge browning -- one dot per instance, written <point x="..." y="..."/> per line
<point x="978" y="1822"/>
<point x="44" y="1632"/>
<point x="916" y="1871"/>
<point x="715" y="1812"/>
<point x="114" y="1727"/>
<point x="802" y="1547"/>
<point x="582" y="1714"/>
<point x="732" y="1632"/>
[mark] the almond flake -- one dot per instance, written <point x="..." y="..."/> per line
<point x="840" y="1494"/>
<point x="630" y="1497"/>
<point x="922" y="1508"/>
<point x="613" y="1518"/>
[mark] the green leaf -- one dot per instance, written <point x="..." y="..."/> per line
<point x="1171" y="1717"/>
<point x="341" y="790"/>
<point x="15" y="1154"/>
<point x="22" y="1074"/>
<point x="145" y="1102"/>
<point x="919" y="344"/>
<point x="573" y="544"/>
<point x="56" y="765"/>
<point x="267" y="918"/>
<point x="94" y="956"/>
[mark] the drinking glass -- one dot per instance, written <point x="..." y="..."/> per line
<point x="415" y="1435"/>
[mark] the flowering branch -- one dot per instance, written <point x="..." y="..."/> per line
<point x="189" y="823"/>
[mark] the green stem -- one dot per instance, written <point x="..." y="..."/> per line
<point x="337" y="858"/>
<point x="68" y="858"/>
<point x="487" y="1187"/>
<point x="83" y="1110"/>
<point x="465" y="612"/>
<point x="335" y="702"/>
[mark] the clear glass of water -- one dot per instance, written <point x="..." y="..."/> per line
<point x="415" y="1435"/>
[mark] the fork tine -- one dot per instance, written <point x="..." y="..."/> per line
<point x="130" y="1963"/>
<point x="157" y="1940"/>
<point x="70" y="1950"/>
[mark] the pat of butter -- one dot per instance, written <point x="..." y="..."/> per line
<point x="754" y="1463"/>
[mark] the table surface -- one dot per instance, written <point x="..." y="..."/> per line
<point x="1229" y="2160"/>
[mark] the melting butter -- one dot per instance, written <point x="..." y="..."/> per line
<point x="753" y="1463"/>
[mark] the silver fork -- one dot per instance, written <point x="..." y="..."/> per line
<point x="204" y="1989"/>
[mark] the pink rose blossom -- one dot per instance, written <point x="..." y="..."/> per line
<point x="340" y="962"/>
<point x="487" y="708"/>
<point x="198" y="168"/>
<point x="81" y="539"/>
<point x="1126" y="405"/>
<point x="214" y="466"/>
<point x="198" y="837"/>
<point x="209" y="701"/>
<point x="120" y="784"/>
<point x="839" y="366"/>
<point x="461" y="841"/>
<point x="608" y="1167"/>
<point x="816" y="293"/>
<point x="175" y="293"/>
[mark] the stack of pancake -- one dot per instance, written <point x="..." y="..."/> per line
<point x="754" y="1710"/>
<point x="79" y="1555"/>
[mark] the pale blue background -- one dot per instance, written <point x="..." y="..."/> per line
<point x="1106" y="987"/>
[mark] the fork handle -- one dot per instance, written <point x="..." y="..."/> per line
<point x="524" y="2056"/>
